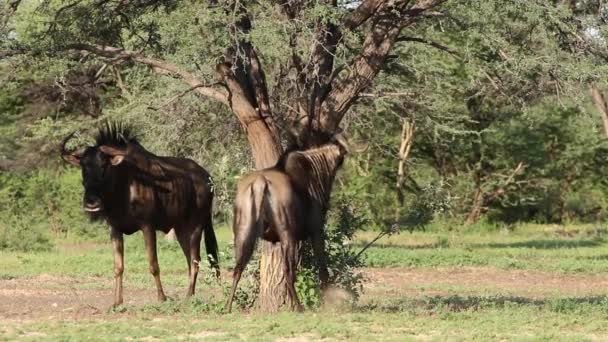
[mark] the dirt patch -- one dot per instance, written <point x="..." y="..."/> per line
<point x="480" y="281"/>
<point x="55" y="297"/>
<point x="51" y="297"/>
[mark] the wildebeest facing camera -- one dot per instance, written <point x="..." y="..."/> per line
<point x="133" y="189"/>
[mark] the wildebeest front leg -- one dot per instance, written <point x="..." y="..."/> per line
<point x="118" y="248"/>
<point x="318" y="245"/>
<point x="150" y="239"/>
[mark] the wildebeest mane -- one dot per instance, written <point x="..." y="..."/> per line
<point x="117" y="134"/>
<point x="314" y="170"/>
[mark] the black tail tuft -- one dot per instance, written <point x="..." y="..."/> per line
<point x="211" y="247"/>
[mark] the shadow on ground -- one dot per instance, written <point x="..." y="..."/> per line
<point x="456" y="303"/>
<point x="543" y="244"/>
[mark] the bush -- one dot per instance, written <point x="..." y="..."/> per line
<point x="342" y="260"/>
<point x="38" y="205"/>
<point x="23" y="234"/>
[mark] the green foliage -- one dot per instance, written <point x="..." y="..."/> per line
<point x="343" y="261"/>
<point x="37" y="206"/>
<point x="510" y="87"/>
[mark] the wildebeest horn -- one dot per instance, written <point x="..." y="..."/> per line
<point x="350" y="147"/>
<point x="70" y="157"/>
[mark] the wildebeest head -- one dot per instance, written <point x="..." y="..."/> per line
<point x="100" y="163"/>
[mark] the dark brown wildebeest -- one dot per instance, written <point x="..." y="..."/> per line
<point x="132" y="189"/>
<point x="287" y="203"/>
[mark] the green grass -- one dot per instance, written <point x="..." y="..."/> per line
<point x="553" y="249"/>
<point x="429" y="320"/>
<point x="481" y="314"/>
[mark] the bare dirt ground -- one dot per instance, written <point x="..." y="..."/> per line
<point x="481" y="281"/>
<point x="52" y="297"/>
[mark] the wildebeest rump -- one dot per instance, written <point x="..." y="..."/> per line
<point x="133" y="189"/>
<point x="286" y="203"/>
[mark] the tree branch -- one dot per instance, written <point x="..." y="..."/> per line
<point x="362" y="13"/>
<point x="388" y="22"/>
<point x="114" y="53"/>
<point x="429" y="42"/>
<point x="388" y="94"/>
<point x="180" y="95"/>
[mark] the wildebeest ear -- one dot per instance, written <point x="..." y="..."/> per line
<point x="115" y="160"/>
<point x="117" y="156"/>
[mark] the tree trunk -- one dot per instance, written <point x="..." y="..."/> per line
<point x="273" y="290"/>
<point x="476" y="207"/>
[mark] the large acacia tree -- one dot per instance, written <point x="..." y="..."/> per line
<point x="293" y="66"/>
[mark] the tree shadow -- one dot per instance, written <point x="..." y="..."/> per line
<point x="542" y="244"/>
<point x="457" y="303"/>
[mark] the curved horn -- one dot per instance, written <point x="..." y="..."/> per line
<point x="348" y="146"/>
<point x="70" y="157"/>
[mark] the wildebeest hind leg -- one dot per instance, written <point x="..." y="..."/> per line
<point x="118" y="247"/>
<point x="150" y="240"/>
<point x="187" y="241"/>
<point x="289" y="268"/>
<point x="245" y="236"/>
<point x="195" y="257"/>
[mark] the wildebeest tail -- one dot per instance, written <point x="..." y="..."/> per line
<point x="211" y="245"/>
<point x="258" y="191"/>
<point x="248" y="222"/>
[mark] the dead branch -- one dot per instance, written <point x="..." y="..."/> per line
<point x="120" y="82"/>
<point x="602" y="106"/>
<point x="407" y="137"/>
<point x="501" y="189"/>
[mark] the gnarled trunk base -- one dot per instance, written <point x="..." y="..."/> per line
<point x="273" y="290"/>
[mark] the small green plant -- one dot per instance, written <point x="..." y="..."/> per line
<point x="308" y="289"/>
<point x="342" y="259"/>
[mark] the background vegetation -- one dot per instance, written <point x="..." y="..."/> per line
<point x="497" y="93"/>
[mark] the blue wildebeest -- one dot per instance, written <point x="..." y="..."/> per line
<point x="133" y="189"/>
<point x="287" y="203"/>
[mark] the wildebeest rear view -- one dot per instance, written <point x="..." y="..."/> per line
<point x="133" y="189"/>
<point x="287" y="203"/>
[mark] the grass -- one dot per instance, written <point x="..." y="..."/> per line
<point x="471" y="314"/>
<point x="429" y="320"/>
<point x="553" y="249"/>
